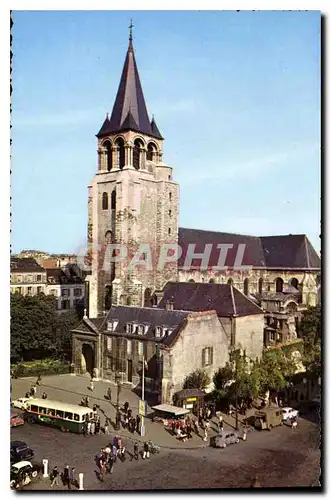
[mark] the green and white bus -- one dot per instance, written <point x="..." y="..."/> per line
<point x="67" y="417"/>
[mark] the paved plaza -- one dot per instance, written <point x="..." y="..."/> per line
<point x="282" y="458"/>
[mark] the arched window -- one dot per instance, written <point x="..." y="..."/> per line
<point x="120" y="152"/>
<point x="151" y="150"/>
<point x="137" y="153"/>
<point x="279" y="285"/>
<point x="260" y="285"/>
<point x="191" y="280"/>
<point x="148" y="298"/>
<point x="230" y="281"/>
<point x="108" y="294"/>
<point x="113" y="200"/>
<point x="294" y="282"/>
<point x="105" y="201"/>
<point x="109" y="155"/>
<point x="246" y="286"/>
<point x="212" y="280"/>
<point x="109" y="237"/>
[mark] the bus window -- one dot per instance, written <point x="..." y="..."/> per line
<point x="42" y="410"/>
<point x="59" y="413"/>
<point x="68" y="415"/>
<point x="51" y="412"/>
<point x="34" y="408"/>
<point x="76" y="417"/>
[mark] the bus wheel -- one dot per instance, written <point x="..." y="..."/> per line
<point x="67" y="430"/>
<point x="62" y="429"/>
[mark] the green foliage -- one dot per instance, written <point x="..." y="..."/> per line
<point x="42" y="367"/>
<point x="198" y="379"/>
<point x="310" y="332"/>
<point x="223" y="376"/>
<point x="274" y="368"/>
<point x="37" y="329"/>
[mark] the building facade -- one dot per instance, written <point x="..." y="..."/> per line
<point x="27" y="277"/>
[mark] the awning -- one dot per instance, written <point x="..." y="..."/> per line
<point x="174" y="410"/>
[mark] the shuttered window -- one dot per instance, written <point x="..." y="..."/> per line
<point x="207" y="356"/>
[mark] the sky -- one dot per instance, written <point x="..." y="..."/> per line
<point x="236" y="95"/>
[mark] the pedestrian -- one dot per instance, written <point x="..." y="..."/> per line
<point x="27" y="395"/>
<point x="146" y="450"/>
<point x="221" y="425"/>
<point x="126" y="406"/>
<point x="205" y="434"/>
<point x="107" y="426"/>
<point x="294" y="423"/>
<point x="89" y="426"/>
<point x="97" y="426"/>
<point x="38" y="380"/>
<point x="256" y="483"/>
<point x="102" y="467"/>
<point x="54" y="476"/>
<point x="92" y="430"/>
<point x="73" y="476"/>
<point x="44" y="396"/>
<point x="115" y="453"/>
<point x="138" y="424"/>
<point x="196" y="427"/>
<point x="91" y="385"/>
<point x="136" y="451"/>
<point x="109" y="393"/>
<point x="32" y="391"/>
<point x="66" y="477"/>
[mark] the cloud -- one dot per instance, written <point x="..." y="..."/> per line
<point x="66" y="118"/>
<point x="250" y="167"/>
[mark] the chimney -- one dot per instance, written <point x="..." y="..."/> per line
<point x="169" y="305"/>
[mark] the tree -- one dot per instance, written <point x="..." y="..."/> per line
<point x="310" y="332"/>
<point x="37" y="330"/>
<point x="223" y="376"/>
<point x="198" y="379"/>
<point x="274" y="368"/>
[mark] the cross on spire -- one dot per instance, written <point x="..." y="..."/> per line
<point x="130" y="32"/>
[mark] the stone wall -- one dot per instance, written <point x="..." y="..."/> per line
<point x="249" y="334"/>
<point x="202" y="330"/>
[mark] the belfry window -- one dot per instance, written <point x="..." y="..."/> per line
<point x="151" y="151"/>
<point x="105" y="201"/>
<point x="137" y="154"/>
<point x="109" y="155"/>
<point x="279" y="285"/>
<point x="120" y="152"/>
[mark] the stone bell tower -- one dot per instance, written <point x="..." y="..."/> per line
<point x="132" y="201"/>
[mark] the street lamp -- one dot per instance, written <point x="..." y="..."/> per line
<point x="118" y="382"/>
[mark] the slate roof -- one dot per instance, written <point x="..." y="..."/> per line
<point x="155" y="129"/>
<point x="58" y="276"/>
<point x="278" y="252"/>
<point x="224" y="299"/>
<point x="151" y="316"/>
<point x="129" y="111"/>
<point x="25" y="265"/>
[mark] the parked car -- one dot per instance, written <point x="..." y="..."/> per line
<point x="20" y="451"/>
<point x="15" y="420"/>
<point x="20" y="403"/>
<point x="223" y="440"/>
<point x="289" y="413"/>
<point x="22" y="473"/>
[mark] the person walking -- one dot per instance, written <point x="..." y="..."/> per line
<point x="109" y="393"/>
<point x="97" y="426"/>
<point x="91" y="385"/>
<point x="92" y="430"/>
<point x="89" y="426"/>
<point x="55" y="476"/>
<point x="205" y="433"/>
<point x="107" y="426"/>
<point x="44" y="396"/>
<point x="294" y="423"/>
<point x="136" y="451"/>
<point x="38" y="380"/>
<point x="221" y="426"/>
<point x="138" y="424"/>
<point x="146" y="450"/>
<point x="66" y="477"/>
<point x="73" y="479"/>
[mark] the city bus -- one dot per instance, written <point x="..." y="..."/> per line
<point x="67" y="417"/>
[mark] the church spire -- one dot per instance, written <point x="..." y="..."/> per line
<point x="129" y="107"/>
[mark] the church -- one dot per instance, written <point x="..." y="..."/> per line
<point x="133" y="203"/>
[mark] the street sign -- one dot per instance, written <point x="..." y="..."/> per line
<point x="142" y="408"/>
<point x="191" y="399"/>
